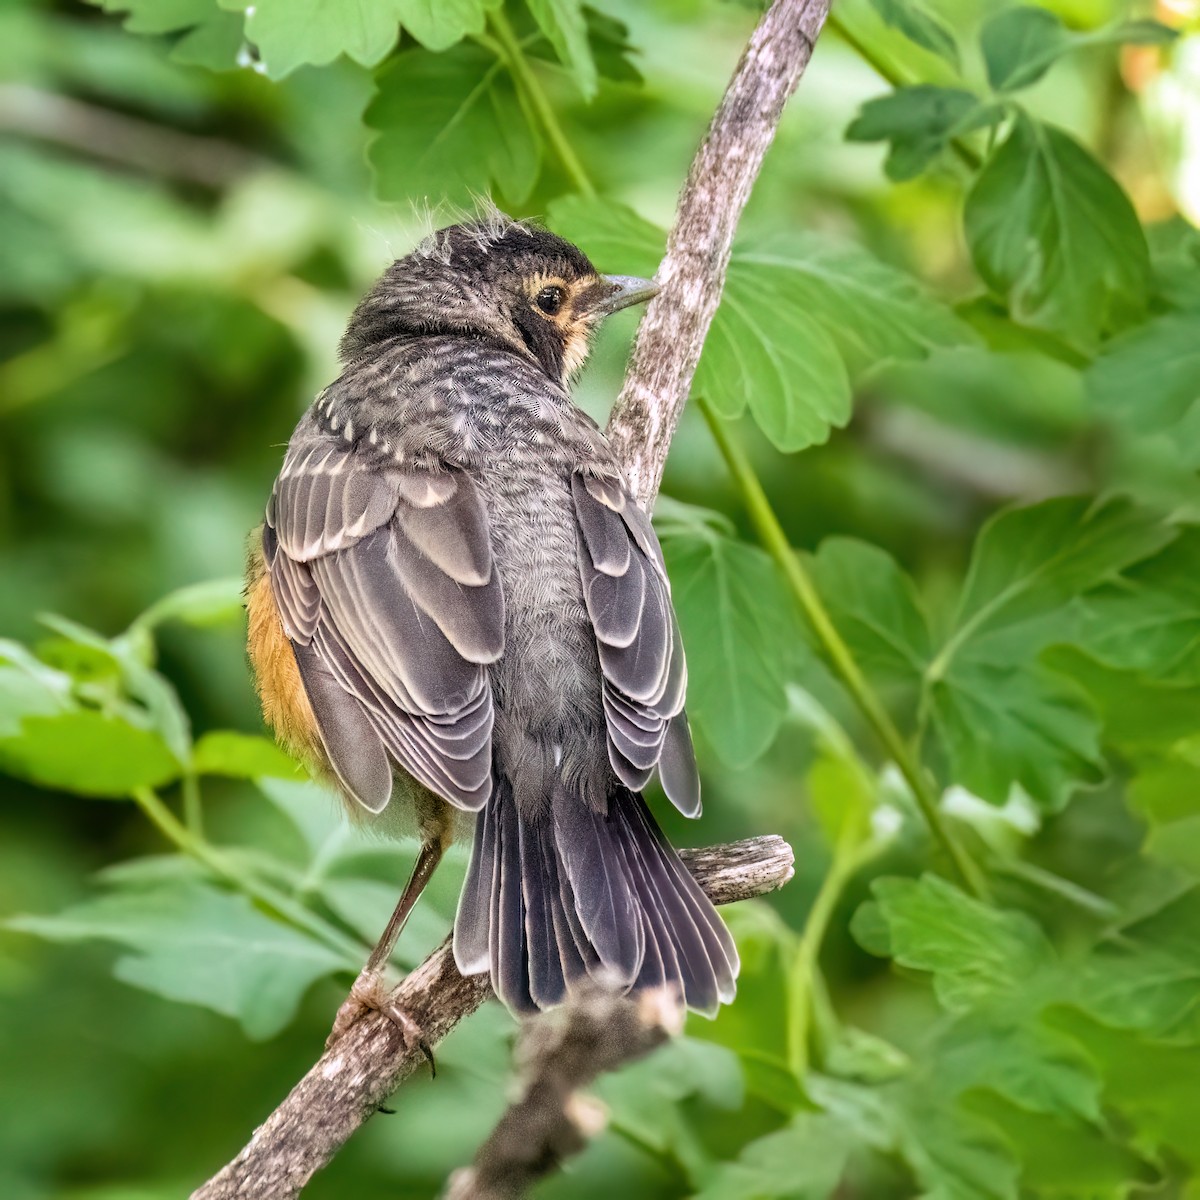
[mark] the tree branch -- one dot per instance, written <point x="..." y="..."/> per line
<point x="692" y="274"/>
<point x="350" y="1081"/>
<point x="596" y="1031"/>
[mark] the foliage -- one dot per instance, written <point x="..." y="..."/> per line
<point x="951" y="650"/>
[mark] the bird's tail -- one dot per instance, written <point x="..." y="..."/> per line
<point x="552" y="900"/>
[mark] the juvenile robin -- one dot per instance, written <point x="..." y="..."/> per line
<point x="458" y="611"/>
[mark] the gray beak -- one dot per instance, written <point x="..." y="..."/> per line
<point x="625" y="290"/>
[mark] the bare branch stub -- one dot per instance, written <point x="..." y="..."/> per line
<point x="692" y="273"/>
<point x="596" y="1031"/>
<point x="349" y="1083"/>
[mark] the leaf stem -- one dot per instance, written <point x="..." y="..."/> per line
<point x="174" y="830"/>
<point x="808" y="599"/>
<point x="193" y="809"/>
<point x="967" y="155"/>
<point x="803" y="973"/>
<point x="530" y="85"/>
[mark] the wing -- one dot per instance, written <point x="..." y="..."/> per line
<point x="385" y="585"/>
<point x="628" y="599"/>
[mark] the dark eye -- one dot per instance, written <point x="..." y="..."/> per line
<point x="550" y="300"/>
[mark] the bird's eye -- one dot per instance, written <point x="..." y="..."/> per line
<point x="550" y="300"/>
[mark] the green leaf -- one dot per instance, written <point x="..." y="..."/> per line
<point x="952" y="1154"/>
<point x="213" y="602"/>
<point x="216" y="43"/>
<point x="1138" y="714"/>
<point x="242" y="756"/>
<point x="193" y="943"/>
<point x="1149" y="378"/>
<point x="159" y="16"/>
<point x="653" y="1095"/>
<point x="614" y="237"/>
<point x="1000" y="726"/>
<point x="919" y="122"/>
<point x="764" y="352"/>
<point x="741" y="637"/>
<point x="291" y="33"/>
<point x="1000" y="718"/>
<point x="873" y="312"/>
<point x="1022" y="1060"/>
<point x="799" y="314"/>
<point x="28" y="688"/>
<point x="1021" y="44"/>
<point x="920" y="26"/>
<point x="1166" y="795"/>
<point x="1154" y="1085"/>
<point x="875" y="608"/>
<point x="611" y="47"/>
<point x="1052" y="232"/>
<point x="565" y="25"/>
<point x="802" y="1161"/>
<point x="159" y="702"/>
<point x="1065" y="1156"/>
<point x="450" y="127"/>
<point x="89" y="753"/>
<point x="1147" y="976"/>
<point x="440" y="24"/>
<point x="977" y="954"/>
<point x="1029" y="562"/>
<point x="210" y="37"/>
<point x="1148" y="621"/>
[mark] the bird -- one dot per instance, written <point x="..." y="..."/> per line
<point x="460" y="616"/>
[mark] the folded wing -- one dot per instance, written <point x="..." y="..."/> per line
<point x="628" y="599"/>
<point x="386" y="588"/>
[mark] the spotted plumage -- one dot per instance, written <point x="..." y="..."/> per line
<point x="473" y="616"/>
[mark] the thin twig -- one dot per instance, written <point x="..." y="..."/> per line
<point x="692" y="274"/>
<point x="349" y="1083"/>
<point x="597" y="1031"/>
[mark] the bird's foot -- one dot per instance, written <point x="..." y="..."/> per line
<point x="369" y="993"/>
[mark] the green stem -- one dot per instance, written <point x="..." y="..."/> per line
<point x="880" y="65"/>
<point x="887" y="71"/>
<point x="802" y="976"/>
<point x="530" y="86"/>
<point x="193" y="810"/>
<point x="805" y="593"/>
<point x="174" y="830"/>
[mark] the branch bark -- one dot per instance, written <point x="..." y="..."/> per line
<point x="349" y="1083"/>
<point x="692" y="274"/>
<point x="563" y="1052"/>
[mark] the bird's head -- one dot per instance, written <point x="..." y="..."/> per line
<point x="501" y="280"/>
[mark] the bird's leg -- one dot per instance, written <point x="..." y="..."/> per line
<point x="369" y="990"/>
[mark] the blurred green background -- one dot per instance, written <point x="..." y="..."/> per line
<point x="179" y="250"/>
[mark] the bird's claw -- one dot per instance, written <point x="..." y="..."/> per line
<point x="369" y="993"/>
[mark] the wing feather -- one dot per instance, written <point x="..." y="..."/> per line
<point x="385" y="584"/>
<point x="628" y="600"/>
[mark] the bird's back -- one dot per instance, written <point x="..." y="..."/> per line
<point x="475" y="603"/>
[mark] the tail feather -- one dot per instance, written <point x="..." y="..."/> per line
<point x="472" y="948"/>
<point x="509" y="946"/>
<point x="711" y="962"/>
<point x="599" y="881"/>
<point x="547" y="974"/>
<point x="552" y="900"/>
<point x="660" y="964"/>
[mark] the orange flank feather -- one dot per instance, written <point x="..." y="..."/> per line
<point x="284" y="702"/>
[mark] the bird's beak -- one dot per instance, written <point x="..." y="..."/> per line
<point x="624" y="290"/>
